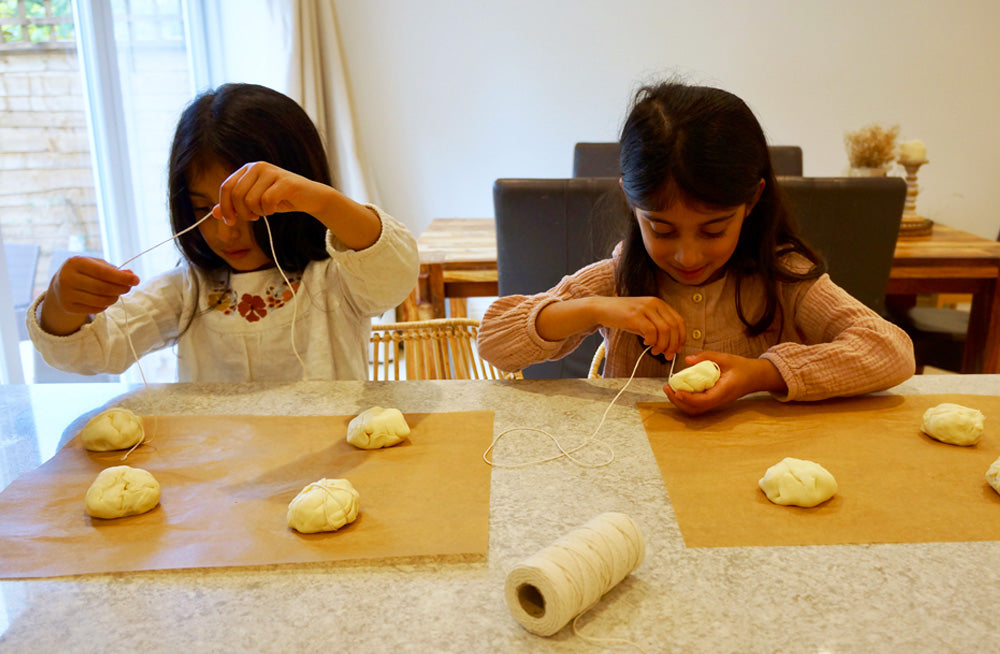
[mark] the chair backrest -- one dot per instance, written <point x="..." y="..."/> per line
<point x="22" y="264"/>
<point x="549" y="228"/>
<point x="443" y="348"/>
<point x="854" y="223"/>
<point x="601" y="159"/>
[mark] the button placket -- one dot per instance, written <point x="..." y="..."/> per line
<point x="698" y="297"/>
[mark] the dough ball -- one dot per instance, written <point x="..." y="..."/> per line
<point x="324" y="505"/>
<point x="798" y="482"/>
<point x="114" y="429"/>
<point x="122" y="490"/>
<point x="993" y="476"/>
<point x="699" y="377"/>
<point x="954" y="424"/>
<point x="377" y="427"/>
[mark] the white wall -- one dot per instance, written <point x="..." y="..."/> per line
<point x="451" y="95"/>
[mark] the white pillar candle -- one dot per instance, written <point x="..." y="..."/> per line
<point x="912" y="151"/>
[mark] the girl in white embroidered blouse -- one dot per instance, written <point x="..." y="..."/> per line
<point x="240" y="153"/>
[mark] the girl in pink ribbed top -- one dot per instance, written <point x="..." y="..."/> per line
<point x="710" y="268"/>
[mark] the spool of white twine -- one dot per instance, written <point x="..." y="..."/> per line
<point x="562" y="581"/>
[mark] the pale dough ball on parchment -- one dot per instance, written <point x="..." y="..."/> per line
<point x="119" y="491"/>
<point x="324" y="505"/>
<point x="954" y="424"/>
<point x="699" y="377"/>
<point x="798" y="482"/>
<point x="993" y="475"/>
<point x="114" y="429"/>
<point x="377" y="427"/>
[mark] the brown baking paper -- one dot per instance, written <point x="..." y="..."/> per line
<point x="896" y="485"/>
<point x="226" y="483"/>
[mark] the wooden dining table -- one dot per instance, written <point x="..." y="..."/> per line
<point x="458" y="260"/>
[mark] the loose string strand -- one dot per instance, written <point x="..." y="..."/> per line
<point x="128" y="334"/>
<point x="180" y="233"/>
<point x="295" y="295"/>
<point x="563" y="451"/>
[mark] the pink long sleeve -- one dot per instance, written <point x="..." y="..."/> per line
<point x="823" y="342"/>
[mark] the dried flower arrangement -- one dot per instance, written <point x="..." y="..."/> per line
<point x="873" y="146"/>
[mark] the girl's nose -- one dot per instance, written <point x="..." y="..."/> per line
<point x="230" y="233"/>
<point x="687" y="255"/>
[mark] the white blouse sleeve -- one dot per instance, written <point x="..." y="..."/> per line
<point x="148" y="318"/>
<point x="379" y="277"/>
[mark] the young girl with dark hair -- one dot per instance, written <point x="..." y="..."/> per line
<point x="710" y="268"/>
<point x="240" y="152"/>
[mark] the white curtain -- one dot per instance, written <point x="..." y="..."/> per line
<point x="317" y="80"/>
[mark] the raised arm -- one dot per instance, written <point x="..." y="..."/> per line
<point x="261" y="189"/>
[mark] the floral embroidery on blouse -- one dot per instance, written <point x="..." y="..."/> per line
<point x="251" y="307"/>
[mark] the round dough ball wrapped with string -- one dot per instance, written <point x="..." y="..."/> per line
<point x="324" y="505"/>
<point x="797" y="482"/>
<point x="121" y="491"/>
<point x="954" y="424"/>
<point x="697" y="379"/>
<point x="114" y="429"/>
<point x="376" y="428"/>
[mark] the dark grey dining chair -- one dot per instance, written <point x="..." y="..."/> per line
<point x="549" y="228"/>
<point x="22" y="263"/>
<point x="601" y="160"/>
<point x="854" y="223"/>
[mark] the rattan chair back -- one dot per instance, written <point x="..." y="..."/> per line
<point x="443" y="348"/>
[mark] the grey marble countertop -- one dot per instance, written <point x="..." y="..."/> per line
<point x="921" y="597"/>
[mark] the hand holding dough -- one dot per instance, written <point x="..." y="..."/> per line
<point x="993" y="475"/>
<point x="377" y="427"/>
<point x="119" y="491"/>
<point x="324" y="505"/>
<point x="114" y="429"/>
<point x="954" y="424"/>
<point x="798" y="482"/>
<point x="698" y="378"/>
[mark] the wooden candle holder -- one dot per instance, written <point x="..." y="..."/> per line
<point x="911" y="223"/>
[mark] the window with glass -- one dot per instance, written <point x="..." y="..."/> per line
<point x="91" y="94"/>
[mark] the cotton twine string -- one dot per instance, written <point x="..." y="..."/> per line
<point x="563" y="452"/>
<point x="563" y="581"/>
<point x="128" y="335"/>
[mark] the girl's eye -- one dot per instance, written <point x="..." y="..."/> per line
<point x="659" y="229"/>
<point x="714" y="234"/>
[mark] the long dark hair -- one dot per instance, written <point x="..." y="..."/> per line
<point x="704" y="145"/>
<point x="238" y="124"/>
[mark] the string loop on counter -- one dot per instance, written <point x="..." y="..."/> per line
<point x="563" y="452"/>
<point x="566" y="579"/>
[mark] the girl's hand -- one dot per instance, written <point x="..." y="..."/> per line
<point x="655" y="321"/>
<point x="82" y="286"/>
<point x="739" y="376"/>
<point x="261" y="189"/>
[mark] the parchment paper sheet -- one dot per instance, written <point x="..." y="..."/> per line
<point x="226" y="484"/>
<point x="896" y="485"/>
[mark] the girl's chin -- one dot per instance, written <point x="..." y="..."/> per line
<point x="250" y="266"/>
<point x="695" y="277"/>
